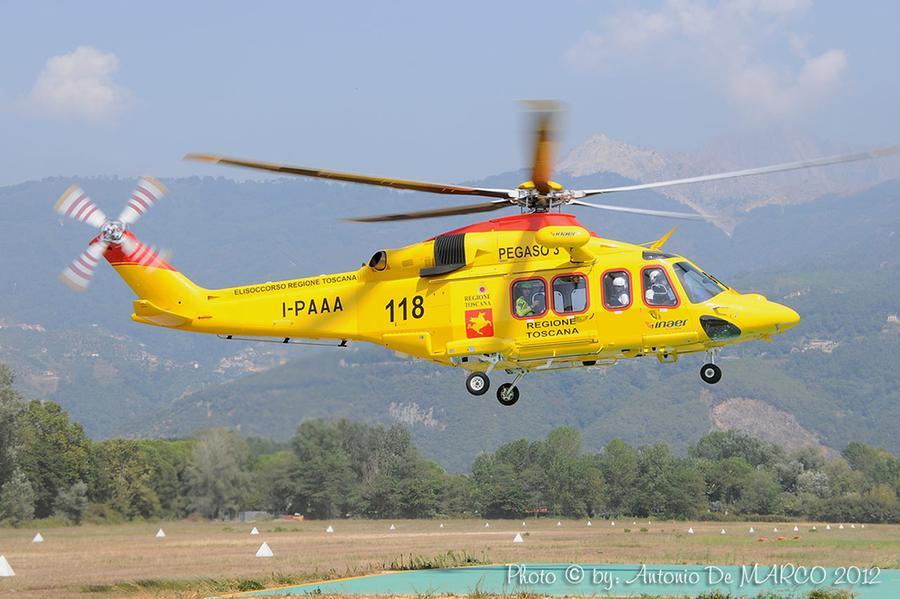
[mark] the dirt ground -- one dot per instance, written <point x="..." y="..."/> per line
<point x="207" y="558"/>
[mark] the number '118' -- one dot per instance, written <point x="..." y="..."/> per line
<point x="418" y="308"/>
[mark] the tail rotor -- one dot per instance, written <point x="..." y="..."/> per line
<point x="75" y="203"/>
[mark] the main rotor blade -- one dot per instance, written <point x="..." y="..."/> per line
<point x="147" y="193"/>
<point x="544" y="143"/>
<point x="763" y="170"/>
<point x="644" y="211"/>
<point x="442" y="188"/>
<point x="76" y="204"/>
<point x="467" y="209"/>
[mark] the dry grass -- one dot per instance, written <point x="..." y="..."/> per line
<point x="202" y="558"/>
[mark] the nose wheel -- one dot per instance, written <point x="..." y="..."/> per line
<point x="710" y="373"/>
<point x="478" y="383"/>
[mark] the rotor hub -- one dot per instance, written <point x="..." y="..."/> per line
<point x="112" y="231"/>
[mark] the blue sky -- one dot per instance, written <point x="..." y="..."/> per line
<point x="421" y="90"/>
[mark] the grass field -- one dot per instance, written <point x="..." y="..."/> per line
<point x="199" y="559"/>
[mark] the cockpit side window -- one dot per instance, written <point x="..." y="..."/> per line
<point x="698" y="285"/>
<point x="616" y="289"/>
<point x="529" y="298"/>
<point x="658" y="290"/>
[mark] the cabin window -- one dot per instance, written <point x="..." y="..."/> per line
<point x="658" y="291"/>
<point x="529" y="298"/>
<point x="616" y="289"/>
<point x="698" y="285"/>
<point x="570" y="294"/>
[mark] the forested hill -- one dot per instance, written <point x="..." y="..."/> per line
<point x="829" y="381"/>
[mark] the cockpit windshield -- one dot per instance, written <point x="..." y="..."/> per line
<point x="698" y="285"/>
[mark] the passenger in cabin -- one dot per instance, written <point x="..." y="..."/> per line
<point x="658" y="292"/>
<point x="523" y="306"/>
<point x="539" y="302"/>
<point x="530" y="298"/>
<point x="620" y="297"/>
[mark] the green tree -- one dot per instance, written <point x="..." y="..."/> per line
<point x="719" y="445"/>
<point x="618" y="464"/>
<point x="10" y="407"/>
<point x="168" y="462"/>
<point x="16" y="499"/>
<point x="878" y="465"/>
<point x="122" y="477"/>
<point x="498" y="492"/>
<point x="54" y="453"/>
<point x="72" y="502"/>
<point x="274" y="477"/>
<point x="327" y="485"/>
<point x="218" y="474"/>
<point x="760" y="495"/>
<point x="725" y="479"/>
<point x="573" y="482"/>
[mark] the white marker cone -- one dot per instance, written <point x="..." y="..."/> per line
<point x="691" y="530"/>
<point x="392" y="527"/>
<point x="329" y="529"/>
<point x="160" y="534"/>
<point x="518" y="539"/>
<point x="775" y="529"/>
<point x="442" y="525"/>
<point x="487" y="524"/>
<point x="814" y="527"/>
<point x="796" y="529"/>
<point x="37" y="538"/>
<point x="613" y="523"/>
<point x="523" y="523"/>
<point x="841" y="526"/>
<point x="254" y="531"/>
<point x="828" y="527"/>
<point x="853" y="526"/>
<point x="589" y="523"/>
<point x="751" y="531"/>
<point x="558" y="523"/>
<point x="723" y="532"/>
<point x="264" y="551"/>
<point x="862" y="525"/>
<point x="5" y="568"/>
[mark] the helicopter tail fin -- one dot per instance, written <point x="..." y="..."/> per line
<point x="165" y="296"/>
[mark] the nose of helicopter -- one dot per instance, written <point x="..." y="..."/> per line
<point x="768" y="317"/>
<point x="784" y="318"/>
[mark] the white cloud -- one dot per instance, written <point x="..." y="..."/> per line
<point x="731" y="43"/>
<point x="78" y="85"/>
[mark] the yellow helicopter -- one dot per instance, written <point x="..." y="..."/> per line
<point x="531" y="292"/>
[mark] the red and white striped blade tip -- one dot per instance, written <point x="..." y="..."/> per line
<point x="148" y="256"/>
<point x="78" y="275"/>
<point x="147" y="193"/>
<point x="75" y="203"/>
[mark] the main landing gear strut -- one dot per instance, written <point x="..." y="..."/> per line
<point x="709" y="372"/>
<point x="478" y="383"/>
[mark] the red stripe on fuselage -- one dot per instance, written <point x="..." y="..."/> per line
<point x="522" y="222"/>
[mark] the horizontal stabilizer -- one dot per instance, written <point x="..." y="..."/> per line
<point x="145" y="311"/>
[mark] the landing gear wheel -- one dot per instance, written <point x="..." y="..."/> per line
<point x="478" y="383"/>
<point x="710" y="373"/>
<point x="507" y="394"/>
